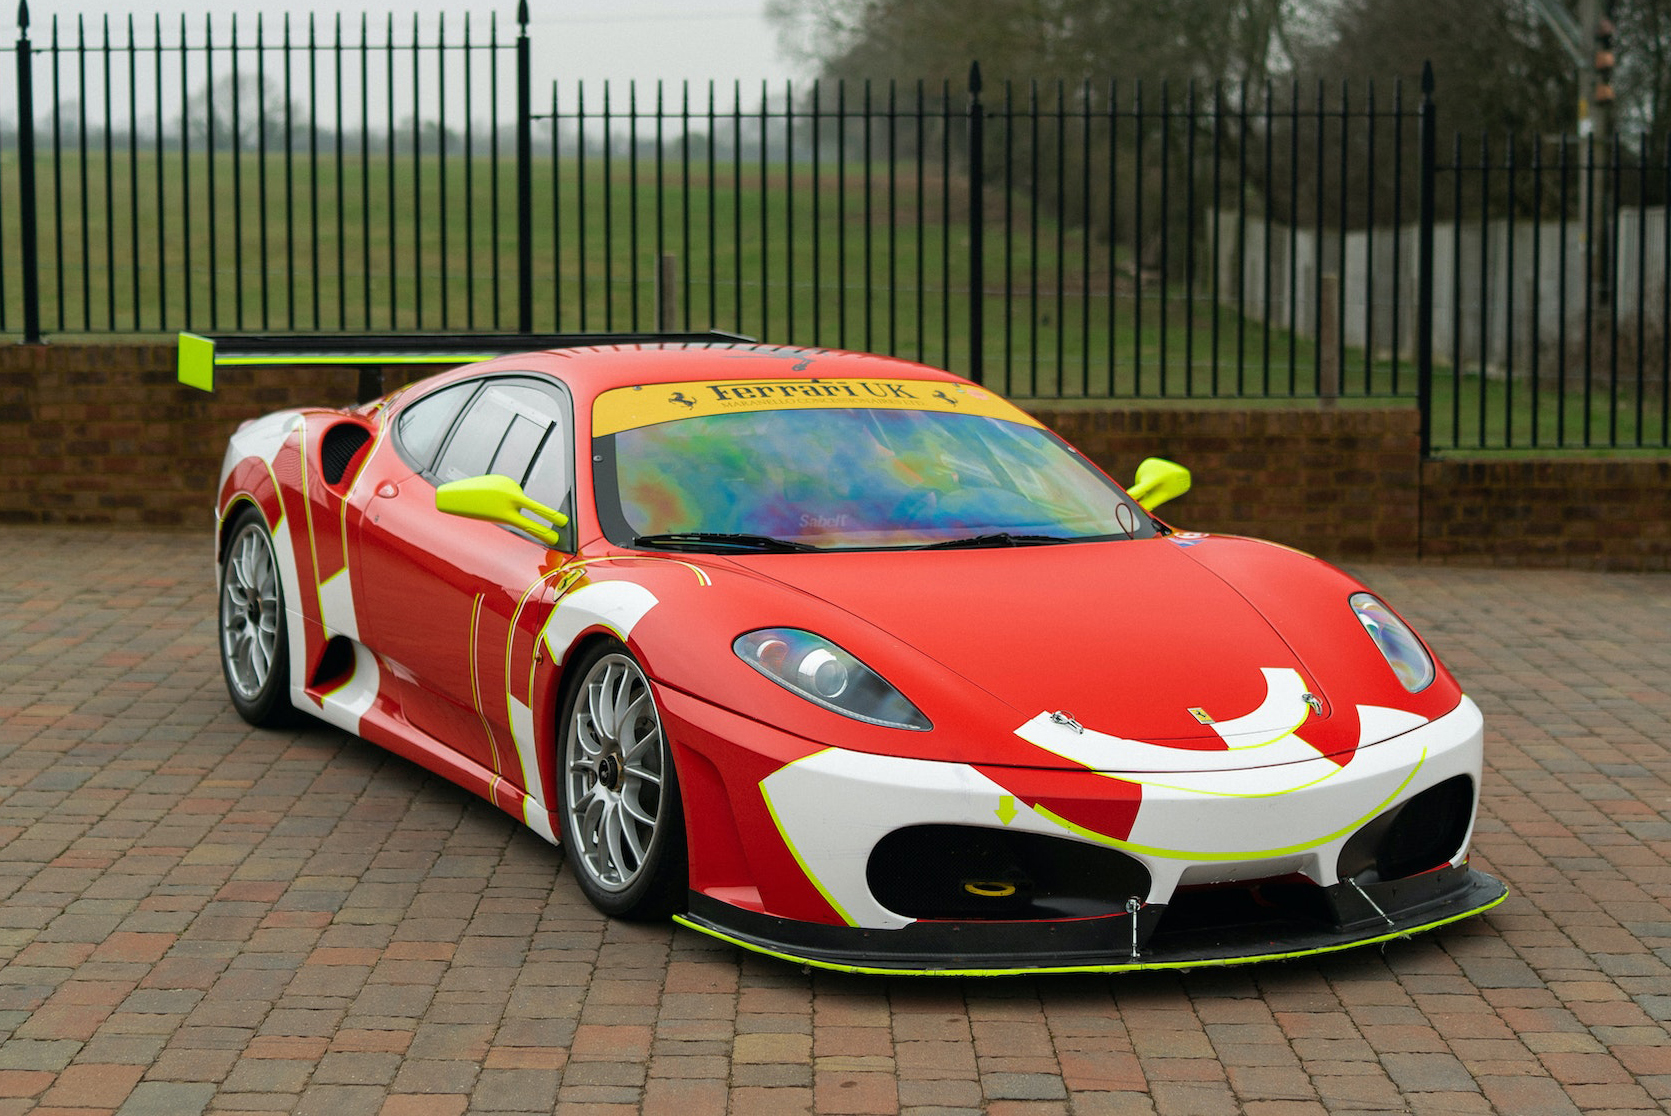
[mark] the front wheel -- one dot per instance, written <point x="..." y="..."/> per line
<point x="623" y="825"/>
<point x="254" y="651"/>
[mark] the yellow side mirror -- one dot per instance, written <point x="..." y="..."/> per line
<point x="499" y="499"/>
<point x="1158" y="481"/>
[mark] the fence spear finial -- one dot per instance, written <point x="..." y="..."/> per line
<point x="23" y="16"/>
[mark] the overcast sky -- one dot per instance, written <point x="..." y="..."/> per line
<point x="588" y="40"/>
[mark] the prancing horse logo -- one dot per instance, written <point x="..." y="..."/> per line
<point x="682" y="399"/>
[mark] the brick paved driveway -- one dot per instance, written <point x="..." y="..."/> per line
<point x="198" y="917"/>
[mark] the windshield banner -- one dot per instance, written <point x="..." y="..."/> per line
<point x="647" y="404"/>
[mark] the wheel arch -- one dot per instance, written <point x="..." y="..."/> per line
<point x="265" y="502"/>
<point x="562" y="692"/>
<point x="229" y="515"/>
<point x="280" y="709"/>
<point x="663" y="891"/>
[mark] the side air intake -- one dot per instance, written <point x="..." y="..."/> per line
<point x="337" y="449"/>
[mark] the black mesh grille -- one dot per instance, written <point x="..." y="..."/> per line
<point x="338" y="448"/>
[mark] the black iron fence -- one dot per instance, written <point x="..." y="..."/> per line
<point x="1106" y="241"/>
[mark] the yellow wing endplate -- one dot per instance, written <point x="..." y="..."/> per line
<point x="195" y="362"/>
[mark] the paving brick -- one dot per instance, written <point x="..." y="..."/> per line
<point x="1585" y="1068"/>
<point x="198" y="915"/>
<point x="849" y="1091"/>
<point x="685" y="1097"/>
<point x="156" y="1098"/>
<point x="408" y="1104"/>
<point x="25" y="1083"/>
<point x="788" y="1100"/>
<point x="1023" y="1086"/>
<point x="1194" y="1099"/>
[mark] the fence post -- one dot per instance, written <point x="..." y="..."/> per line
<point x="977" y="225"/>
<point x="1424" y="262"/>
<point x="667" y="293"/>
<point x="1328" y="339"/>
<point x="524" y="175"/>
<point x="27" y="215"/>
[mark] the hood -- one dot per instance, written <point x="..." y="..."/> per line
<point x="1128" y="639"/>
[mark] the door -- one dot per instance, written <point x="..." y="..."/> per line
<point x="443" y="593"/>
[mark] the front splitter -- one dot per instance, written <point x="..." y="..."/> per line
<point x="1113" y="943"/>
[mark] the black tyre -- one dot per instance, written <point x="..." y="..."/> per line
<point x="254" y="648"/>
<point x="622" y="822"/>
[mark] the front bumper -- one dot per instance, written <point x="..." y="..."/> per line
<point x="923" y="866"/>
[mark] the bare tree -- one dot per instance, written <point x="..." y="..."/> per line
<point x="243" y="113"/>
<point x="1499" y="68"/>
<point x="1023" y="40"/>
<point x="1642" y="42"/>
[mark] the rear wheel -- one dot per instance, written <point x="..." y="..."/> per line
<point x="623" y="825"/>
<point x="254" y="652"/>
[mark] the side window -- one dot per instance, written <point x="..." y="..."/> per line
<point x="422" y="424"/>
<point x="548" y="478"/>
<point x="517" y="429"/>
<point x="507" y="425"/>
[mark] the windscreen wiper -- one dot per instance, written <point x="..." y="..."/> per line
<point x="995" y="538"/>
<point x="719" y="540"/>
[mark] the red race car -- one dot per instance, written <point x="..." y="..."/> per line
<point x="847" y="660"/>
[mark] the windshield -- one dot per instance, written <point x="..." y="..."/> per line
<point x="852" y="478"/>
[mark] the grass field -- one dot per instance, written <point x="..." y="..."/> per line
<point x="877" y="258"/>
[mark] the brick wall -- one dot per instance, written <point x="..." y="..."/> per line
<point x="1580" y="513"/>
<point x="1341" y="483"/>
<point x="103" y="434"/>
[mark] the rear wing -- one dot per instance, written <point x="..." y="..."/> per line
<point x="199" y="356"/>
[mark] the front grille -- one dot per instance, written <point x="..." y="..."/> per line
<point x="1413" y="837"/>
<point x="975" y="873"/>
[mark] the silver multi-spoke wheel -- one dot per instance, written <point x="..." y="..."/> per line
<point x="249" y="612"/>
<point x="620" y="800"/>
<point x="614" y="771"/>
<point x="252" y="640"/>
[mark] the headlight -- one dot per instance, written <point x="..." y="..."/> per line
<point x="814" y="668"/>
<point x="1404" y="652"/>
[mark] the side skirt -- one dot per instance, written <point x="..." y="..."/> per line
<point x="404" y="740"/>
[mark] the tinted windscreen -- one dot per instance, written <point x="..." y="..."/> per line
<point x="855" y="478"/>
